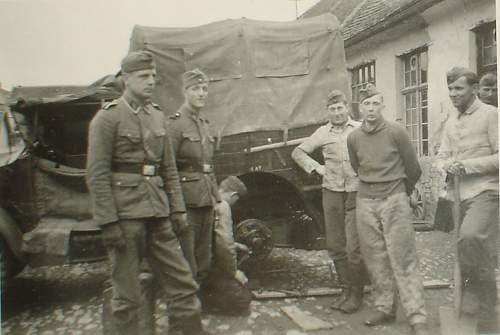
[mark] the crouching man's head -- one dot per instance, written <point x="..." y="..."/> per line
<point x="232" y="189"/>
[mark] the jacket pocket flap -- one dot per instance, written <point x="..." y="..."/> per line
<point x="130" y="180"/>
<point x="160" y="132"/>
<point x="189" y="176"/>
<point x="132" y="135"/>
<point x="192" y="137"/>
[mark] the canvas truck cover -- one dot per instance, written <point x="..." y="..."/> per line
<point x="263" y="75"/>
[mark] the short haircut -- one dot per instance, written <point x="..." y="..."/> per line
<point x="457" y="72"/>
<point x="489" y="79"/>
<point x="233" y="184"/>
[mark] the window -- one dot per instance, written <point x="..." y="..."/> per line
<point x="415" y="99"/>
<point x="486" y="40"/>
<point x="361" y="75"/>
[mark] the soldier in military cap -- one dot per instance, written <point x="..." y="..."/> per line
<point x="136" y="197"/>
<point x="488" y="92"/>
<point x="194" y="146"/>
<point x="382" y="155"/>
<point x="339" y="197"/>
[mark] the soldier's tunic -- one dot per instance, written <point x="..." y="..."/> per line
<point x="122" y="140"/>
<point x="388" y="169"/>
<point x="194" y="148"/>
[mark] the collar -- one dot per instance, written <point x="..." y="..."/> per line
<point x="472" y="108"/>
<point x="350" y="123"/>
<point x="135" y="107"/>
<point x="371" y="129"/>
<point x="192" y="113"/>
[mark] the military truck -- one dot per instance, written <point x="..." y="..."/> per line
<point x="45" y="215"/>
<point x="267" y="93"/>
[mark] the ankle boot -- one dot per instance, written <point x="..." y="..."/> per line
<point x="342" y="270"/>
<point x="192" y="326"/>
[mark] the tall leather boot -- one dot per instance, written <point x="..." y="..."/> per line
<point x="355" y="299"/>
<point x="487" y="317"/>
<point x="342" y="270"/>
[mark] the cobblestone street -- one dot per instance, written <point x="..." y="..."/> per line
<point x="68" y="299"/>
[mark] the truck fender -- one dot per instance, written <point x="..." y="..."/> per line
<point x="12" y="235"/>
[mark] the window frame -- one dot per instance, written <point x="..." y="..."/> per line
<point x="419" y="106"/>
<point x="368" y="76"/>
<point x="481" y="32"/>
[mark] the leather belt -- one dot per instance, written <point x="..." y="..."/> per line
<point x="203" y="168"/>
<point x="136" y="168"/>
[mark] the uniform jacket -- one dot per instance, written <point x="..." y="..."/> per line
<point x="120" y="134"/>
<point x="194" y="146"/>
<point x="339" y="175"/>
<point x="472" y="138"/>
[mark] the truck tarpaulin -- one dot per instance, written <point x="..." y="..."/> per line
<point x="263" y="75"/>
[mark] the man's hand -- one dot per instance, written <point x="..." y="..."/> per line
<point x="320" y="170"/>
<point x="112" y="235"/>
<point x="179" y="222"/>
<point x="240" y="276"/>
<point x="456" y="168"/>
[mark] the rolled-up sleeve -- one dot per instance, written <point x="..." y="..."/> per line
<point x="301" y="154"/>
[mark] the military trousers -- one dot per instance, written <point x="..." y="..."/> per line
<point x="341" y="234"/>
<point x="388" y="248"/>
<point x="478" y="235"/>
<point x="154" y="240"/>
<point x="197" y="240"/>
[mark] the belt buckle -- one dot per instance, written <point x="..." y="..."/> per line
<point x="148" y="170"/>
<point x="208" y="168"/>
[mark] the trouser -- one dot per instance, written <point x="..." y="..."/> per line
<point x="154" y="240"/>
<point x="477" y="246"/>
<point x="387" y="242"/>
<point x="197" y="240"/>
<point x="341" y="234"/>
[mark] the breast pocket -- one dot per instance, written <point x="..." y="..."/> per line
<point x="157" y="140"/>
<point x="127" y="142"/>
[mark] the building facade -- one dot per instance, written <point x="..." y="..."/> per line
<point x="406" y="47"/>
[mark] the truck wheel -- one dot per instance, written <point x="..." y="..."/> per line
<point x="256" y="236"/>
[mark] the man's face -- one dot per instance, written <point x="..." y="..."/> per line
<point x="371" y="108"/>
<point x="196" y="95"/>
<point x="337" y="113"/>
<point x="462" y="94"/>
<point x="488" y="94"/>
<point x="140" y="83"/>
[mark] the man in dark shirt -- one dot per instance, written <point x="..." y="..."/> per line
<point x="136" y="195"/>
<point x="387" y="166"/>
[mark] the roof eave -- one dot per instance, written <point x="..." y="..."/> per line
<point x="394" y="18"/>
